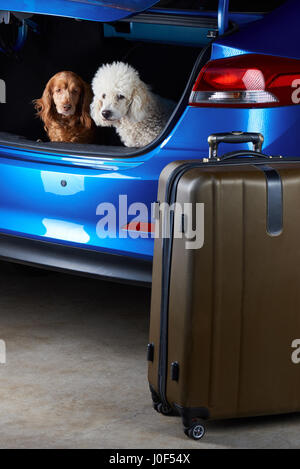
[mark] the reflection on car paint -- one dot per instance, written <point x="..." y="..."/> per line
<point x="62" y="184"/>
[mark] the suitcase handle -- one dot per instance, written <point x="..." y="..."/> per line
<point x="214" y="141"/>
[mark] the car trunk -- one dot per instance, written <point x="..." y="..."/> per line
<point x="60" y="43"/>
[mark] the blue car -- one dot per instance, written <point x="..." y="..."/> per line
<point x="229" y="65"/>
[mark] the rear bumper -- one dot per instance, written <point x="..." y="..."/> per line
<point x="75" y="260"/>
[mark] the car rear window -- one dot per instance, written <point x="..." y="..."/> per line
<point x="250" y="6"/>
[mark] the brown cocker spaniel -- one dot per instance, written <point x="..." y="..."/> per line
<point x="65" y="109"/>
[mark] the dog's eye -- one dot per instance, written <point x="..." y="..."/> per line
<point x="58" y="90"/>
<point x="104" y="96"/>
<point x="120" y="96"/>
<point x="75" y="91"/>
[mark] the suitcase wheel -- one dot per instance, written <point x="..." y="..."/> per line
<point x="195" y="432"/>
<point x="161" y="409"/>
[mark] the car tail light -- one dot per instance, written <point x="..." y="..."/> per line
<point x="248" y="81"/>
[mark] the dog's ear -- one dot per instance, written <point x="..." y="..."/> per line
<point x="139" y="104"/>
<point x="95" y="109"/>
<point x="85" y="102"/>
<point x="44" y="105"/>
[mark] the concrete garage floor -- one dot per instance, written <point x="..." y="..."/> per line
<point x="76" y="372"/>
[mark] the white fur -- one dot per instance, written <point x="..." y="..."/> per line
<point x="137" y="114"/>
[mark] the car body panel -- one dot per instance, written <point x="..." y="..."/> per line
<point x="34" y="202"/>
<point x="56" y="203"/>
<point x="278" y="125"/>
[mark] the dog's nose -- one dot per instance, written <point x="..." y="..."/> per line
<point x="106" y="114"/>
<point x="67" y="107"/>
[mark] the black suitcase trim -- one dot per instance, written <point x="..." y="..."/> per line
<point x="188" y="414"/>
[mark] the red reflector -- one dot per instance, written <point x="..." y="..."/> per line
<point x="139" y="227"/>
<point x="247" y="80"/>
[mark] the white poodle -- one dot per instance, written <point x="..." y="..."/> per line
<point x="123" y="101"/>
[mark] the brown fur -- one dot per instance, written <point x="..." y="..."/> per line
<point x="78" y="128"/>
